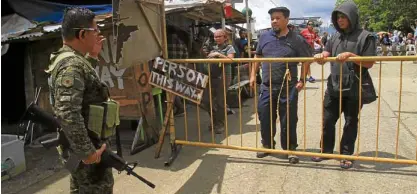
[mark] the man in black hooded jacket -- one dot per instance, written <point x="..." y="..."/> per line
<point x="349" y="41"/>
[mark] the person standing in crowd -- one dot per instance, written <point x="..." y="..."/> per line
<point x="395" y="38"/>
<point x="344" y="45"/>
<point x="410" y="39"/>
<point x="279" y="42"/>
<point x="311" y="37"/>
<point x="324" y="38"/>
<point x="221" y="49"/>
<point x="243" y="42"/>
<point x="386" y="43"/>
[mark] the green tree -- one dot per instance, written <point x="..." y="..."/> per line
<point x="386" y="15"/>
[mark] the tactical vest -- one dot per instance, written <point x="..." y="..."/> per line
<point x="102" y="118"/>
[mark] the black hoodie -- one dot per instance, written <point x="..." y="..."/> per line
<point x="355" y="40"/>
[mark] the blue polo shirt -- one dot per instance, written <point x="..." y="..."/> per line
<point x="270" y="46"/>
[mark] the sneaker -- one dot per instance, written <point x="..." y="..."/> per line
<point x="311" y="79"/>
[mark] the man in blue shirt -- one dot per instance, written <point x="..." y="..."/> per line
<point x="279" y="42"/>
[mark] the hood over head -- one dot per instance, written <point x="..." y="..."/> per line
<point x="350" y="9"/>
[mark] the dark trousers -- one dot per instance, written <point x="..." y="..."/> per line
<point x="178" y="103"/>
<point x="264" y="111"/>
<point x="350" y="109"/>
<point x="217" y="99"/>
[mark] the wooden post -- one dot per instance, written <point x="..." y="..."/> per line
<point x="248" y="27"/>
<point x="165" y="126"/>
<point x="169" y="115"/>
<point x="249" y="36"/>
<point x="29" y="84"/>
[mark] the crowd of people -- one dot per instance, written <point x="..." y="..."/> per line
<point x="396" y="38"/>
<point x="390" y="41"/>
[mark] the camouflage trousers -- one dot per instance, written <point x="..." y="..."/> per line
<point x="91" y="179"/>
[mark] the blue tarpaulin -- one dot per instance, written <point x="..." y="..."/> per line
<point x="44" y="11"/>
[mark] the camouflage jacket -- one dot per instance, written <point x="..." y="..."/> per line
<point x="74" y="85"/>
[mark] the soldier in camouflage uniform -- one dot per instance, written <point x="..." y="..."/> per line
<point x="74" y="85"/>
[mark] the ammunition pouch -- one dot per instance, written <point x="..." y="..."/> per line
<point x="103" y="119"/>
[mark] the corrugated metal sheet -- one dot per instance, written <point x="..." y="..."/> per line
<point x="23" y="37"/>
<point x="205" y="11"/>
<point x="52" y="28"/>
<point x="40" y="32"/>
<point x="182" y="7"/>
<point x="178" y="6"/>
<point x="14" y="25"/>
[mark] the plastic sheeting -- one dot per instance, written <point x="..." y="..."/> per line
<point x="14" y="25"/>
<point x="44" y="11"/>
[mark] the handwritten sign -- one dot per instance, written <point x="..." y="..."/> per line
<point x="182" y="81"/>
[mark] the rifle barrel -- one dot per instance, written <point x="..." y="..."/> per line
<point x="130" y="171"/>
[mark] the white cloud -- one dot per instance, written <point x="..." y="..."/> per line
<point x="298" y="8"/>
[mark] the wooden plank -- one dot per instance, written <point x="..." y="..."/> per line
<point x="151" y="2"/>
<point x="163" y="131"/>
<point x="40" y="53"/>
<point x="150" y="25"/>
<point x="180" y="89"/>
<point x="123" y="83"/>
<point x="129" y="86"/>
<point x="181" y="73"/>
<point x="206" y="16"/>
<point x="28" y="76"/>
<point x="182" y="81"/>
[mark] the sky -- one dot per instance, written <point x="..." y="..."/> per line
<point x="298" y="8"/>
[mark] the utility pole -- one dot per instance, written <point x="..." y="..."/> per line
<point x="248" y="27"/>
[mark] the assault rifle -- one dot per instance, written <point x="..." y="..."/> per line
<point x="108" y="158"/>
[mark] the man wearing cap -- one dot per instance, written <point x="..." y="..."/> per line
<point x="279" y="42"/>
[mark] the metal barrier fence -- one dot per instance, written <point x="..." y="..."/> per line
<point x="176" y="143"/>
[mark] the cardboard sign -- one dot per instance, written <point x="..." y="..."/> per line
<point x="182" y="81"/>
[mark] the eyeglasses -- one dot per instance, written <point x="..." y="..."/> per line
<point x="309" y="24"/>
<point x="89" y="29"/>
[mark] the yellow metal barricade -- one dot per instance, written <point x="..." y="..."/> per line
<point x="232" y="143"/>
